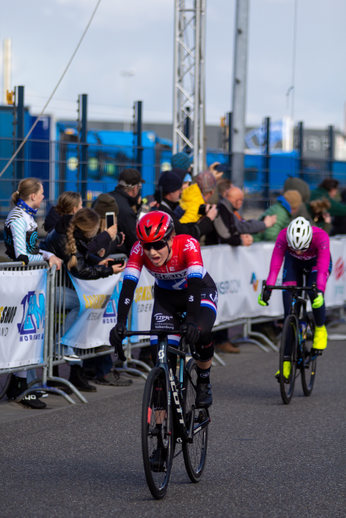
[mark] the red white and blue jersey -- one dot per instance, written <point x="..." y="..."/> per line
<point x="186" y="262"/>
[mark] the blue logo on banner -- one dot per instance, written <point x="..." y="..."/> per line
<point x="110" y="313"/>
<point x="34" y="307"/>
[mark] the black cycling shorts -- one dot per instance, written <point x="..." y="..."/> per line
<point x="169" y="312"/>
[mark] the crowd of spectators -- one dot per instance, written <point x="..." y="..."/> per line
<point x="205" y="206"/>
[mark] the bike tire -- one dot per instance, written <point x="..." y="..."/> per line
<point x="195" y="452"/>
<point x="155" y="411"/>
<point x="287" y="387"/>
<point x="4" y="383"/>
<point x="309" y="364"/>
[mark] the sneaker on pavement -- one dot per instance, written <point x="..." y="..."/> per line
<point x="204" y="397"/>
<point x="31" y="401"/>
<point x="77" y="379"/>
<point x="227" y="347"/>
<point x="320" y="338"/>
<point x="114" y="379"/>
<point x="158" y="459"/>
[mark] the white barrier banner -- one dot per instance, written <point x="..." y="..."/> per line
<point x="22" y="317"/>
<point x="237" y="271"/>
<point x="335" y="291"/>
<point x="98" y="312"/>
<point x="143" y="303"/>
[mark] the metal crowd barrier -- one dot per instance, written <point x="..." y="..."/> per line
<point x="55" y="327"/>
<point x="39" y="383"/>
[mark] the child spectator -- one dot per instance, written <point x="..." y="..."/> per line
<point x="68" y="203"/>
<point x="20" y="236"/>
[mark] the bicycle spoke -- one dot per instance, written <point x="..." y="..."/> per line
<point x="157" y="433"/>
<point x="195" y="452"/>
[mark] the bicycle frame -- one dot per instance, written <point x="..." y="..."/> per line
<point x="299" y="295"/>
<point x="176" y="394"/>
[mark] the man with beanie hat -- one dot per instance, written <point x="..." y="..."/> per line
<point x="170" y="185"/>
<point x="127" y="196"/>
<point x="284" y="208"/>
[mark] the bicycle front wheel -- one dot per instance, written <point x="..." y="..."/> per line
<point x="289" y="340"/>
<point x="157" y="433"/>
<point x="309" y="362"/>
<point x="195" y="452"/>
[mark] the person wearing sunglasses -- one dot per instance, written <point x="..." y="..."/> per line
<point x="302" y="246"/>
<point x="182" y="286"/>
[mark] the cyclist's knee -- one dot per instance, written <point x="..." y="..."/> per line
<point x="206" y="352"/>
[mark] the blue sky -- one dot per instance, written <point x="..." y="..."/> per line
<point x="138" y="35"/>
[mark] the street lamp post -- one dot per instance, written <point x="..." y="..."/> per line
<point x="127" y="74"/>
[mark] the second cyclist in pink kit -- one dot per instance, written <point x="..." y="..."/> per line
<point x="302" y="247"/>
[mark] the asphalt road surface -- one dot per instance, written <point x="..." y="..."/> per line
<point x="265" y="459"/>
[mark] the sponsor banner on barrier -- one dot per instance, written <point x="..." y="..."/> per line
<point x="98" y="311"/>
<point x="237" y="271"/>
<point x="143" y="303"/>
<point x="335" y="291"/>
<point x="22" y="317"/>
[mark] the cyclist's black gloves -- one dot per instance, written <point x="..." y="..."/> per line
<point x="190" y="331"/>
<point x="264" y="297"/>
<point x="116" y="337"/>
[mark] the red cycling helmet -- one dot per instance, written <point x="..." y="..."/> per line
<point x="155" y="226"/>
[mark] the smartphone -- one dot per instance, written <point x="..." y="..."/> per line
<point x="222" y="168"/>
<point x="110" y="219"/>
<point x="121" y="262"/>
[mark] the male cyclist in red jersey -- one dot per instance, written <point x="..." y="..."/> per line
<point x="182" y="285"/>
<point x="303" y="247"/>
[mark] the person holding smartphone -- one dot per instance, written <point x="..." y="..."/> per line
<point x="108" y="238"/>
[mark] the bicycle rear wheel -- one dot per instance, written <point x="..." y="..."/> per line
<point x="195" y="452"/>
<point x="309" y="363"/>
<point x="289" y="334"/>
<point x="157" y="433"/>
<point x="4" y="383"/>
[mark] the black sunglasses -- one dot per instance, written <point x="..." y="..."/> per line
<point x="156" y="246"/>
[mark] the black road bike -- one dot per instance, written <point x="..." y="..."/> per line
<point x="298" y="331"/>
<point x="170" y="417"/>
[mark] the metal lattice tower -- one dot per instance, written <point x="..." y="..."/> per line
<point x="189" y="89"/>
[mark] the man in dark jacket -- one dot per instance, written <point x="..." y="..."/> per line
<point x="170" y="185"/>
<point x="127" y="196"/>
<point x="232" y="230"/>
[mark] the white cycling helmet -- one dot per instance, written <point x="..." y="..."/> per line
<point x="299" y="234"/>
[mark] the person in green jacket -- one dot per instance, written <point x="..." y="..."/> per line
<point x="328" y="190"/>
<point x="284" y="207"/>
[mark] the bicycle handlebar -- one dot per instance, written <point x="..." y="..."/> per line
<point x="157" y="332"/>
<point x="312" y="288"/>
<point x="154" y="332"/>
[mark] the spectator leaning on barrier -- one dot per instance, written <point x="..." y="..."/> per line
<point x="68" y="203"/>
<point x="71" y="244"/>
<point x="232" y="230"/>
<point x="297" y="184"/>
<point x="170" y="185"/>
<point x="127" y="196"/>
<point x="100" y="368"/>
<point x="285" y="206"/>
<point x="20" y="236"/>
